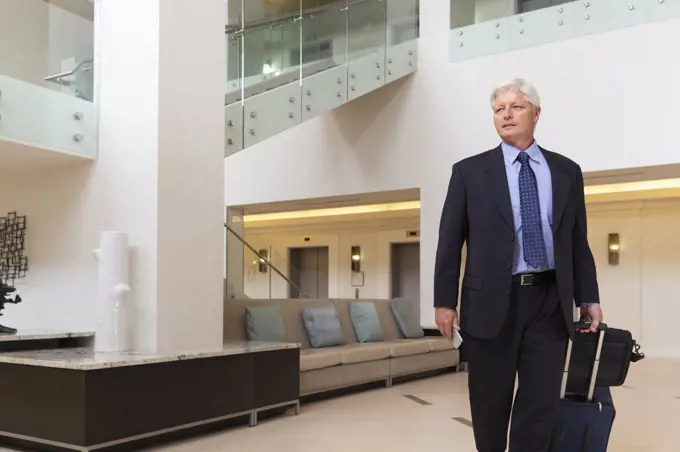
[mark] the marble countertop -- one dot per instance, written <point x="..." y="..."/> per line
<point x="87" y="359"/>
<point x="30" y="335"/>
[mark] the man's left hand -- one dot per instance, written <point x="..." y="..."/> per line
<point x="593" y="314"/>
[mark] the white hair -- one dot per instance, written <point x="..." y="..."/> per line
<point x="518" y="85"/>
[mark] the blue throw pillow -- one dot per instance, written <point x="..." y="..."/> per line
<point x="265" y="323"/>
<point x="406" y="313"/>
<point x="323" y="326"/>
<point x="365" y="321"/>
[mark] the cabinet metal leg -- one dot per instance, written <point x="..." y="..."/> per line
<point x="297" y="408"/>
<point x="253" y="419"/>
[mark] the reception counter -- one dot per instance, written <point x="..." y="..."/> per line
<point x="76" y="399"/>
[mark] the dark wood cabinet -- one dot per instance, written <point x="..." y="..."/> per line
<point x="75" y="408"/>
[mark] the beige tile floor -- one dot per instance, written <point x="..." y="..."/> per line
<point x="648" y="419"/>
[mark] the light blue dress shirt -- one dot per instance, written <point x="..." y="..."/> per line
<point x="544" y="181"/>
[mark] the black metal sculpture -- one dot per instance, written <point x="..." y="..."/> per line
<point x="13" y="262"/>
<point x="7" y="295"/>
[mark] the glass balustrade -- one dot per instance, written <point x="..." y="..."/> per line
<point x="255" y="269"/>
<point x="290" y="61"/>
<point x="486" y="27"/>
<point x="47" y="75"/>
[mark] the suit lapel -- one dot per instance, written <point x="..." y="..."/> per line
<point x="498" y="185"/>
<point x="561" y="187"/>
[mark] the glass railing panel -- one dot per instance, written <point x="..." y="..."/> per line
<point x="271" y="69"/>
<point x="324" y="59"/>
<point x="486" y="27"/>
<point x="271" y="46"/>
<point x="402" y="37"/>
<point x="233" y="99"/>
<point x="234" y="65"/>
<point x="267" y="273"/>
<point x="367" y="25"/>
<point x="46" y="51"/>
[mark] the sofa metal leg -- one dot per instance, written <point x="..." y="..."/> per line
<point x="462" y="367"/>
<point x="388" y="382"/>
<point x="253" y="419"/>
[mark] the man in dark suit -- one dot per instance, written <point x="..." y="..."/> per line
<point x="520" y="210"/>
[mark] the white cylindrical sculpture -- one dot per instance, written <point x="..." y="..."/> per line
<point x="112" y="324"/>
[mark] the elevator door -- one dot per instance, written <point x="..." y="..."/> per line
<point x="406" y="270"/>
<point x="309" y="271"/>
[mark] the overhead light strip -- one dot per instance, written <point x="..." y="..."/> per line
<point x="335" y="211"/>
<point x="662" y="184"/>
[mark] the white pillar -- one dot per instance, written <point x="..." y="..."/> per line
<point x="161" y="78"/>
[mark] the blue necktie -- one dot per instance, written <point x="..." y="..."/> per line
<point x="530" y="209"/>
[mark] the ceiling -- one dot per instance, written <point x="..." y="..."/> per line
<point x="638" y="174"/>
<point x="19" y="158"/>
<point x="83" y="8"/>
<point x="360" y="199"/>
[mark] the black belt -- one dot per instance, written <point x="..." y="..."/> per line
<point x="535" y="279"/>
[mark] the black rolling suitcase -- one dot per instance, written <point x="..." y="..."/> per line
<point x="584" y="418"/>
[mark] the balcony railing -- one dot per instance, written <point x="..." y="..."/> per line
<point x="47" y="78"/>
<point x="480" y="28"/>
<point x="288" y="65"/>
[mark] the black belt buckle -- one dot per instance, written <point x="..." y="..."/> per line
<point x="526" y="279"/>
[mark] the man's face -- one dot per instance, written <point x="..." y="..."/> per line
<point x="515" y="118"/>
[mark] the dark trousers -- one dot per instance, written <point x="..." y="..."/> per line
<point x="532" y="346"/>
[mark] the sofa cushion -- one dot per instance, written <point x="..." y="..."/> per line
<point x="264" y="323"/>
<point x="365" y="321"/>
<point x="409" y="347"/>
<point x="361" y="353"/>
<point x="323" y="326"/>
<point x="319" y="358"/>
<point x="406" y="314"/>
<point x="439" y="344"/>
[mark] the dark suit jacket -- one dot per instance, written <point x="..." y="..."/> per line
<point x="478" y="212"/>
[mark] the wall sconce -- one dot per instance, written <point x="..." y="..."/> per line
<point x="262" y="261"/>
<point x="356" y="259"/>
<point x="614" y="249"/>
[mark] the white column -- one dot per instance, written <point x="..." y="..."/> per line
<point x="161" y="77"/>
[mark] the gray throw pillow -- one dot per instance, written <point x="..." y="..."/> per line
<point x="265" y="323"/>
<point x="365" y="321"/>
<point x="323" y="326"/>
<point x="406" y="313"/>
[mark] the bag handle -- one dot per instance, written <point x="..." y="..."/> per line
<point x="637" y="354"/>
<point x="602" y="328"/>
<point x="585" y="325"/>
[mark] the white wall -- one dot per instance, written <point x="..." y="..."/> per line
<point x="60" y="287"/>
<point x="641" y="293"/>
<point x="35" y="36"/>
<point x="409" y="134"/>
<point x="373" y="238"/>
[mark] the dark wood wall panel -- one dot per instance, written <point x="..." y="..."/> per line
<point x="127" y="401"/>
<point x="277" y="377"/>
<point x="43" y="402"/>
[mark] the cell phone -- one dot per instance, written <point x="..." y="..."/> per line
<point x="457" y="339"/>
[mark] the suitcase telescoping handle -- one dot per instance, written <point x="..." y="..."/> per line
<point x="582" y="325"/>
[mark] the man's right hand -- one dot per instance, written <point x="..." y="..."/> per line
<point x="446" y="320"/>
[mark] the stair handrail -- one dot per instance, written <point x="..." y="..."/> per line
<point x="265" y="260"/>
<point x="57" y="78"/>
<point x="271" y="22"/>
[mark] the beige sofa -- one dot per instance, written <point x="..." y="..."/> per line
<point x="341" y="366"/>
